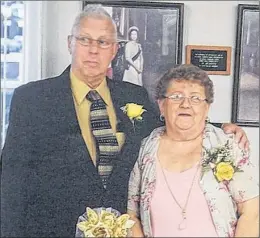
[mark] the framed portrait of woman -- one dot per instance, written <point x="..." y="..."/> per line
<point x="150" y="36"/>
<point x="245" y="106"/>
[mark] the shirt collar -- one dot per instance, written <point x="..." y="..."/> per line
<point x="81" y="89"/>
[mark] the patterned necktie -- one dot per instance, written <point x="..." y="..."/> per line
<point x="106" y="141"/>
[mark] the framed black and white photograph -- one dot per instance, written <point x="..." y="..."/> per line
<point x="150" y="35"/>
<point x="246" y="69"/>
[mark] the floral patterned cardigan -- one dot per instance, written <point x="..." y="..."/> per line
<point x="221" y="197"/>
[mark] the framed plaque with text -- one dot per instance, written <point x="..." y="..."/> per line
<point x="213" y="59"/>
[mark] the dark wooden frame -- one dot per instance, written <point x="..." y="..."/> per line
<point x="238" y="64"/>
<point x="152" y="4"/>
<point x="164" y="62"/>
<point x="202" y="48"/>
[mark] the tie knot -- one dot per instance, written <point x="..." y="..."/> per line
<point x="93" y="95"/>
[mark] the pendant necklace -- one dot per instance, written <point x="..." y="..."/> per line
<point x="183" y="223"/>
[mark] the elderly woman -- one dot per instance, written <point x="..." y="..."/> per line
<point x="191" y="179"/>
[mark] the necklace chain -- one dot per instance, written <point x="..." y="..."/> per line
<point x="183" y="209"/>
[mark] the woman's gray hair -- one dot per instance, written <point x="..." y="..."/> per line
<point x="94" y="11"/>
<point x="185" y="72"/>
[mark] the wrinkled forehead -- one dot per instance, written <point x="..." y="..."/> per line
<point x="96" y="25"/>
<point x="186" y="85"/>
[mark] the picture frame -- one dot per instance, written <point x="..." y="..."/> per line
<point x="245" y="103"/>
<point x="160" y="36"/>
<point x="213" y="59"/>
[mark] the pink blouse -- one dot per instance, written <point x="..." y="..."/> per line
<point x="221" y="197"/>
<point x="166" y="214"/>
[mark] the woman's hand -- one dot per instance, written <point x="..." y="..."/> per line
<point x="139" y="71"/>
<point x="240" y="134"/>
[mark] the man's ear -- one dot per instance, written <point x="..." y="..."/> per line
<point x="115" y="49"/>
<point x="69" y="38"/>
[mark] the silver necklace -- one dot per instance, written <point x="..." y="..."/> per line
<point x="183" y="223"/>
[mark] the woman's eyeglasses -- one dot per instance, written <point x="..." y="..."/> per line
<point x="178" y="98"/>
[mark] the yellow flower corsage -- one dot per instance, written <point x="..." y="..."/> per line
<point x="221" y="160"/>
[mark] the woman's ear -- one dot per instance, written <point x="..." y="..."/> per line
<point x="206" y="111"/>
<point x="161" y="105"/>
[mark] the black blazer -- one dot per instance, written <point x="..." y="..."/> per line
<point x="48" y="177"/>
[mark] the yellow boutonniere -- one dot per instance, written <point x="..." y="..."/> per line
<point x="220" y="159"/>
<point x="133" y="111"/>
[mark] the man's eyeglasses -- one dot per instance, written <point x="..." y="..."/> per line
<point x="178" y="98"/>
<point x="87" y="41"/>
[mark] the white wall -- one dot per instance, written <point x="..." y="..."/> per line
<point x="57" y="22"/>
<point x="205" y="23"/>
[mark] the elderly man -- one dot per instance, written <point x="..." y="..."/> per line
<point x="72" y="140"/>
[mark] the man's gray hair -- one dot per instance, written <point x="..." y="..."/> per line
<point x="94" y="11"/>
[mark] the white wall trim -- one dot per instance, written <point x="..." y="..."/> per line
<point x="32" y="41"/>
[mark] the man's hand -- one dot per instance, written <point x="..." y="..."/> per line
<point x="240" y="134"/>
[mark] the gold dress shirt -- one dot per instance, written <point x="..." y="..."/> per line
<point x="82" y="106"/>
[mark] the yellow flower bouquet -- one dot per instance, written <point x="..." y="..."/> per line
<point x="221" y="160"/>
<point x="103" y="222"/>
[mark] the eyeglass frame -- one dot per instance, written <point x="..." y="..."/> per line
<point x="188" y="97"/>
<point x="80" y="38"/>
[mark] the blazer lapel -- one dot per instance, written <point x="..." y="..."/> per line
<point x="123" y="125"/>
<point x="65" y="97"/>
<point x="123" y="122"/>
